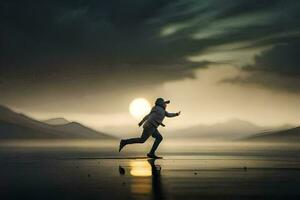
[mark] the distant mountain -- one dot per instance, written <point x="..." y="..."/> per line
<point x="81" y="131"/>
<point x="229" y="130"/>
<point x="18" y="126"/>
<point x="289" y="135"/>
<point x="56" y="121"/>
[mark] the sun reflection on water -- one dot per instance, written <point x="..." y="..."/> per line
<point x="140" y="168"/>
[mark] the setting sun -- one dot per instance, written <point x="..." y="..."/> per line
<point x="139" y="107"/>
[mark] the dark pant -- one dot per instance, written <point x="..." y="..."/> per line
<point x="147" y="132"/>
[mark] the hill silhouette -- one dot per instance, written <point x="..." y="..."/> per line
<point x="56" y="121"/>
<point x="19" y="126"/>
<point x="289" y="135"/>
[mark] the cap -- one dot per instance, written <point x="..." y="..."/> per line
<point x="160" y="101"/>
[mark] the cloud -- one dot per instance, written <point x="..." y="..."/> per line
<point x="283" y="59"/>
<point x="276" y="68"/>
<point x="62" y="41"/>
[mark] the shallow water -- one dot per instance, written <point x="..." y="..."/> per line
<point x="208" y="171"/>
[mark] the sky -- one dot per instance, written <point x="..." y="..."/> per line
<point x="87" y="60"/>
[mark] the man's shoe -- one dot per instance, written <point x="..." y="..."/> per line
<point x="150" y="155"/>
<point x="122" y="144"/>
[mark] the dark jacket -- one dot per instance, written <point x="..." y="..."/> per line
<point x="156" y="117"/>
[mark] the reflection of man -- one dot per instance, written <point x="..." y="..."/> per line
<point x="157" y="190"/>
<point x="156" y="181"/>
<point x="151" y="123"/>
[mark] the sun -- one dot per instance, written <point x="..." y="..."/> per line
<point x="139" y="107"/>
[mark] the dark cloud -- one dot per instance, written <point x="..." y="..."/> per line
<point x="277" y="69"/>
<point x="274" y="25"/>
<point x="283" y="59"/>
<point x="73" y="48"/>
<point x="273" y="81"/>
<point x="89" y="39"/>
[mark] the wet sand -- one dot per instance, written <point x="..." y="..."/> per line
<point x="71" y="175"/>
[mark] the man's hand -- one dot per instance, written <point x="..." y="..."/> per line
<point x="178" y="113"/>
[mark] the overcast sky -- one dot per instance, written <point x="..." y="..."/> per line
<point x="86" y="60"/>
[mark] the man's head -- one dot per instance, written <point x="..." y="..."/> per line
<point x="161" y="102"/>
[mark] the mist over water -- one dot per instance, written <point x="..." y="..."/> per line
<point x="109" y="148"/>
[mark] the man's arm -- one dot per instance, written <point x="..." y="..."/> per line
<point x="143" y="120"/>
<point x="172" y="114"/>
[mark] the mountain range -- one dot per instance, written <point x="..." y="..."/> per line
<point x="228" y="130"/>
<point x="233" y="129"/>
<point x="288" y="135"/>
<point x="15" y="125"/>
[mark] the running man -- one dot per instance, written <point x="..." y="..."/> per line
<point x="150" y="124"/>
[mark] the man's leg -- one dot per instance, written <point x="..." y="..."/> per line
<point x="158" y="139"/>
<point x="141" y="139"/>
<point x="145" y="135"/>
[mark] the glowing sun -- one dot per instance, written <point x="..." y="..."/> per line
<point x="139" y="107"/>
